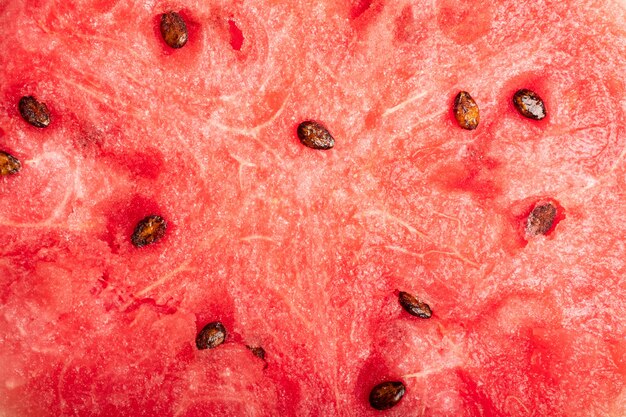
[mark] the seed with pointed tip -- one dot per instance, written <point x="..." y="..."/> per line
<point x="211" y="336"/>
<point x="149" y="230"/>
<point x="34" y="112"/>
<point x="466" y="111"/>
<point x="315" y="135"/>
<point x="386" y="395"/>
<point x="174" y="30"/>
<point x="540" y="219"/>
<point x="9" y="164"/>
<point x="413" y="306"/>
<point x="529" y="104"/>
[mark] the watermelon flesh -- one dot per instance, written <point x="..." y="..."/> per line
<point x="299" y="251"/>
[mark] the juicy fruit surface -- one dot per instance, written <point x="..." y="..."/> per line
<point x="301" y="251"/>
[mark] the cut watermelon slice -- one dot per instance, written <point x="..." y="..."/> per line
<point x="158" y="186"/>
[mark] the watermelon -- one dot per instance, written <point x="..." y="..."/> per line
<point x="176" y="242"/>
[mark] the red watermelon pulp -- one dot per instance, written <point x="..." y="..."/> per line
<point x="303" y="252"/>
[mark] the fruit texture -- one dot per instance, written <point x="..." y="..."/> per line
<point x="302" y="252"/>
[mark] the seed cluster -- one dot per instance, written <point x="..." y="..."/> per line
<point x="314" y="135"/>
<point x="526" y="102"/>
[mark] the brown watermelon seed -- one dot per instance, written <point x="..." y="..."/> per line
<point x="9" y="164"/>
<point x="386" y="395"/>
<point x="413" y="306"/>
<point x="466" y="111"/>
<point x="174" y="30"/>
<point x="211" y="336"/>
<point x="315" y="135"/>
<point x="149" y="230"/>
<point x="529" y="104"/>
<point x="34" y="112"/>
<point x="258" y="351"/>
<point x="540" y="219"/>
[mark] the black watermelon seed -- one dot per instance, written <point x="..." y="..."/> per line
<point x="211" y="336"/>
<point x="258" y="351"/>
<point x="540" y="219"/>
<point x="466" y="111"/>
<point x="315" y="136"/>
<point x="386" y="395"/>
<point x="9" y="164"/>
<point x="34" y="112"/>
<point x="149" y="230"/>
<point x="413" y="306"/>
<point x="529" y="104"/>
<point x="174" y="30"/>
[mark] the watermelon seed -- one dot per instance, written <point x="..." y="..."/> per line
<point x="149" y="230"/>
<point x="466" y="111"/>
<point x="258" y="351"/>
<point x="413" y="306"/>
<point x="34" y="112"/>
<point x="174" y="30"/>
<point x="9" y="164"/>
<point x="540" y="219"/>
<point x="529" y="104"/>
<point x="386" y="395"/>
<point x="315" y="135"/>
<point x="211" y="336"/>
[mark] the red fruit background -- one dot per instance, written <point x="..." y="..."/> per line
<point x="301" y="251"/>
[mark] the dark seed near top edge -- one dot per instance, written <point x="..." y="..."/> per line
<point x="315" y="136"/>
<point x="413" y="306"/>
<point x="34" y="112"/>
<point x="211" y="336"/>
<point x="540" y="219"/>
<point x="149" y="230"/>
<point x="386" y="395"/>
<point x="529" y="104"/>
<point x="466" y="111"/>
<point x="174" y="30"/>
<point x="9" y="164"/>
